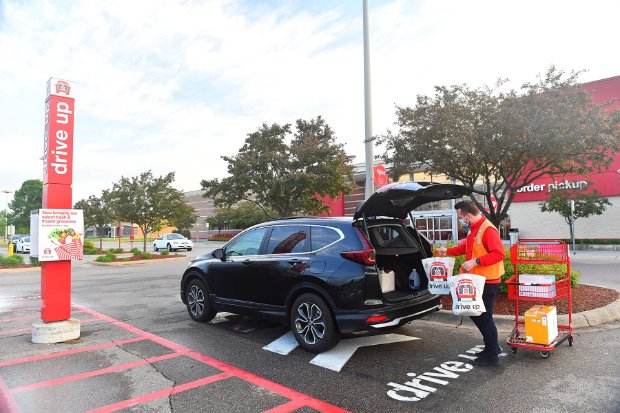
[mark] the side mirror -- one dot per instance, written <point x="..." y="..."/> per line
<point x="218" y="253"/>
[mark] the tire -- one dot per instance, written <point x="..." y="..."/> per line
<point x="514" y="350"/>
<point x="155" y="247"/>
<point x="189" y="249"/>
<point x="169" y="248"/>
<point x="544" y="354"/>
<point x="198" y="303"/>
<point x="313" y="324"/>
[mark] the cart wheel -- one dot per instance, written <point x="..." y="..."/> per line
<point x="514" y="350"/>
<point x="544" y="354"/>
<point x="570" y="341"/>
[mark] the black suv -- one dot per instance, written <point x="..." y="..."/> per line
<point x="321" y="276"/>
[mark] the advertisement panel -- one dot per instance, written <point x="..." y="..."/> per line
<point x="58" y="136"/>
<point x="59" y="235"/>
<point x="606" y="182"/>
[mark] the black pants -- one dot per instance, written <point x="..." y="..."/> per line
<point x="485" y="322"/>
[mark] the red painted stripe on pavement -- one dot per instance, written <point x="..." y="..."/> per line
<point x="26" y="317"/>
<point x="160" y="394"/>
<point x="68" y="352"/>
<point x="250" y="377"/>
<point x="93" y="373"/>
<point x="14" y="310"/>
<point x="7" y="403"/>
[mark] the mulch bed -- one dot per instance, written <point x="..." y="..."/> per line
<point x="132" y="258"/>
<point x="585" y="297"/>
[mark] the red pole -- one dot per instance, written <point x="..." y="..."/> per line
<point x="57" y="193"/>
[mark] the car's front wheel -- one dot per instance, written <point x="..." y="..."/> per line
<point x="313" y="324"/>
<point x="169" y="247"/>
<point x="155" y="247"/>
<point x="198" y="304"/>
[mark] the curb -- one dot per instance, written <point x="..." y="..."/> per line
<point x="118" y="263"/>
<point x="586" y="319"/>
<point x="12" y="270"/>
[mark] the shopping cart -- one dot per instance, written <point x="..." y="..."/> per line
<point x="539" y="252"/>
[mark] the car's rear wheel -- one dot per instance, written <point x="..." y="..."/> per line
<point x="313" y="324"/>
<point x="198" y="304"/>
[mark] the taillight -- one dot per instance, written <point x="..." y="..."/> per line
<point x="376" y="319"/>
<point x="365" y="256"/>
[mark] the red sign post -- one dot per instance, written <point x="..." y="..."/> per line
<point x="57" y="193"/>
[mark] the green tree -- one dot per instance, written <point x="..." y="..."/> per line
<point x="97" y="213"/>
<point x="247" y="214"/>
<point x="184" y="218"/>
<point x="504" y="140"/>
<point x="221" y="219"/>
<point x="28" y="197"/>
<point x="147" y="201"/>
<point x="285" y="178"/>
<point x="585" y="204"/>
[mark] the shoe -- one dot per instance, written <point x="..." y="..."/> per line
<point x="483" y="361"/>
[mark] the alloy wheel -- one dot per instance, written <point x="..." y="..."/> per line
<point x="196" y="301"/>
<point x="310" y="323"/>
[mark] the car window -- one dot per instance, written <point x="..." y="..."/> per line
<point x="175" y="236"/>
<point x="323" y="236"/>
<point x="288" y="239"/>
<point x="246" y="244"/>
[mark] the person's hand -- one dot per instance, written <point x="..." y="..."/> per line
<point x="441" y="251"/>
<point x="469" y="265"/>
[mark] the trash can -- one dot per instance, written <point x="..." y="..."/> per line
<point x="513" y="233"/>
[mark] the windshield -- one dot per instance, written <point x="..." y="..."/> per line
<point x="175" y="236"/>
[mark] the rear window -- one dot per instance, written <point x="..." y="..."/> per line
<point x="289" y="239"/>
<point x="323" y="236"/>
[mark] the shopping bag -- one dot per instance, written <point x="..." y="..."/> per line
<point x="466" y="290"/>
<point x="438" y="269"/>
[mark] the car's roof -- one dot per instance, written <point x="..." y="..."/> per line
<point x="310" y="220"/>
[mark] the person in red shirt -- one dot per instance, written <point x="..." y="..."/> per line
<point x="484" y="255"/>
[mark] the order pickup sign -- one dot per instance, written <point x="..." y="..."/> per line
<point x="58" y="234"/>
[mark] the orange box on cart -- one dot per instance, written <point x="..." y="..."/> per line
<point x="541" y="324"/>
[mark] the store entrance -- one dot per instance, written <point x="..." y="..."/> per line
<point x="436" y="228"/>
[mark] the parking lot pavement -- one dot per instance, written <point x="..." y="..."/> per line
<point x="128" y="367"/>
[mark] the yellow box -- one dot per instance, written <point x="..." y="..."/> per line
<point x="541" y="324"/>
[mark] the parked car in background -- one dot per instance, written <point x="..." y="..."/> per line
<point x="16" y="238"/>
<point x="327" y="276"/>
<point x="23" y="245"/>
<point x="172" y="242"/>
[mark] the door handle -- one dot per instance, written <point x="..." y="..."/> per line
<point x="246" y="261"/>
<point x="294" y="262"/>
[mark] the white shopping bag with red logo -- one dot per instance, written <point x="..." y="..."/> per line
<point x="466" y="290"/>
<point x="438" y="269"/>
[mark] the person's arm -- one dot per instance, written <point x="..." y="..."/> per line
<point x="495" y="247"/>
<point x="459" y="249"/>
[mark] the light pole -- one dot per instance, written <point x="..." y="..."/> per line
<point x="6" y="214"/>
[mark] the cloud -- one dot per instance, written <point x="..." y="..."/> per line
<point x="173" y="86"/>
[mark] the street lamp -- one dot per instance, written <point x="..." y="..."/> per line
<point x="6" y="214"/>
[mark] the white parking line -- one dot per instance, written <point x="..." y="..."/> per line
<point x="283" y="345"/>
<point x="336" y="358"/>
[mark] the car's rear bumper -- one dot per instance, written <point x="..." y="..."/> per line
<point x="396" y="314"/>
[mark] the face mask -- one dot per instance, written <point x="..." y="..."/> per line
<point x="462" y="222"/>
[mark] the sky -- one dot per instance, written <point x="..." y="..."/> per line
<point x="172" y="86"/>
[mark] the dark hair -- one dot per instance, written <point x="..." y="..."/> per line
<point x="467" y="206"/>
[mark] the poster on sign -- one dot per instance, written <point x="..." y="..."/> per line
<point x="438" y="269"/>
<point x="59" y="235"/>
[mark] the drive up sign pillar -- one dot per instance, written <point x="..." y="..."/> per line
<point x="57" y="325"/>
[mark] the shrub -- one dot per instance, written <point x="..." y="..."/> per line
<point x="147" y="255"/>
<point x="90" y="249"/>
<point x="35" y="262"/>
<point x="11" y="261"/>
<point x="109" y="257"/>
<point x="135" y="251"/>
<point x="165" y="252"/>
<point x="116" y="250"/>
